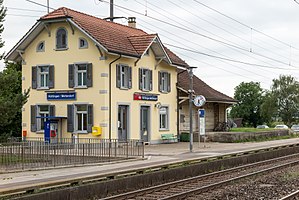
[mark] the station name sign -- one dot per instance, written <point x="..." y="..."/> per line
<point x="61" y="96"/>
<point x="145" y="97"/>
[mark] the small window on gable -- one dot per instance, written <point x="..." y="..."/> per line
<point x="83" y="43"/>
<point x="61" y="39"/>
<point x="40" y="47"/>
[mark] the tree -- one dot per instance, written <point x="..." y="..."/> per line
<point x="285" y="93"/>
<point x="250" y="97"/>
<point x="2" y="16"/>
<point x="11" y="100"/>
<point x="269" y="107"/>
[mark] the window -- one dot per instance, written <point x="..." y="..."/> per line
<point x="163" y="118"/>
<point x="39" y="114"/>
<point x="123" y="76"/>
<point x="81" y="71"/>
<point x="164" y="82"/>
<point x="145" y="79"/>
<point x="80" y="118"/>
<point x="61" y="39"/>
<point x="80" y="75"/>
<point x="40" y="47"/>
<point x="83" y="43"/>
<point x="43" y="77"/>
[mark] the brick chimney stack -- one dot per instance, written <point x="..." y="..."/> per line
<point x="132" y="22"/>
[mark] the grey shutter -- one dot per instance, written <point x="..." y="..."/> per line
<point x="150" y="80"/>
<point x="160" y="81"/>
<point x="140" y="79"/>
<point x="89" y="118"/>
<point x="33" y="113"/>
<point x="70" y="118"/>
<point x="52" y="110"/>
<point x="130" y="77"/>
<point x="168" y="82"/>
<point x="118" y="76"/>
<point x="71" y="76"/>
<point x="89" y="75"/>
<point x="34" y="77"/>
<point x="51" y="76"/>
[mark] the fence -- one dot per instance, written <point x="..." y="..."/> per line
<point x="35" y="153"/>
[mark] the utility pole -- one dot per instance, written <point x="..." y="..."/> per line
<point x="48" y="6"/>
<point x="191" y="106"/>
<point x="111" y="10"/>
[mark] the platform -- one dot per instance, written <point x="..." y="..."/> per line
<point x="154" y="155"/>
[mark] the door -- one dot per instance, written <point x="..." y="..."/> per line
<point x="144" y="123"/>
<point x="122" y="122"/>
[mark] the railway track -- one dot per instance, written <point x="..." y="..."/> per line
<point x="291" y="196"/>
<point x="183" y="189"/>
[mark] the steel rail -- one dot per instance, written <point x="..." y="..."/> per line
<point x="180" y="195"/>
<point x="189" y="193"/>
<point x="290" y="196"/>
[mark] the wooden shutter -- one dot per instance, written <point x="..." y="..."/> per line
<point x="89" y="75"/>
<point x="51" y="76"/>
<point x="89" y="118"/>
<point x="160" y="81"/>
<point x="52" y="110"/>
<point x="168" y="82"/>
<point x="70" y="118"/>
<point x="140" y="79"/>
<point x="130" y="77"/>
<point x="33" y="113"/>
<point x="150" y="80"/>
<point x="34" y="77"/>
<point x="118" y="84"/>
<point x="71" y="75"/>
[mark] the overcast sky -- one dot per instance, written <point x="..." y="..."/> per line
<point x="229" y="41"/>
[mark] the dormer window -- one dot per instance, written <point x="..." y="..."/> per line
<point x="61" y="39"/>
<point x="83" y="44"/>
<point x="40" y="47"/>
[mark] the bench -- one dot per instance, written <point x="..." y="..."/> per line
<point x="168" y="137"/>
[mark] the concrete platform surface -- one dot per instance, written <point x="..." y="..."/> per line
<point x="154" y="155"/>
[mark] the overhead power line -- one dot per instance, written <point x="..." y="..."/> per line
<point x="228" y="59"/>
<point x="239" y="22"/>
<point x="23" y="9"/>
<point x="40" y="4"/>
<point x="199" y="34"/>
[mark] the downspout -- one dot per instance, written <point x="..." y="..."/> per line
<point x="110" y="97"/>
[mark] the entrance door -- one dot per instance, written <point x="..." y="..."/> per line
<point x="123" y="122"/>
<point x="144" y="123"/>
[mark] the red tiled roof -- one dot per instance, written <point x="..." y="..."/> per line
<point x="114" y="37"/>
<point x="201" y="88"/>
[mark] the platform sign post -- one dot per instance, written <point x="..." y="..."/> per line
<point x="201" y="124"/>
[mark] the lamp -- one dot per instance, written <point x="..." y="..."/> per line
<point x="158" y="105"/>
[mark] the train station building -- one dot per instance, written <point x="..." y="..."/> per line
<point x="92" y="78"/>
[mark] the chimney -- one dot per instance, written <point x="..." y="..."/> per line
<point x="132" y="22"/>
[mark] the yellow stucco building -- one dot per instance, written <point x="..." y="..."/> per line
<point x="91" y="78"/>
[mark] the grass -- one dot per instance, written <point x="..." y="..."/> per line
<point x="250" y="129"/>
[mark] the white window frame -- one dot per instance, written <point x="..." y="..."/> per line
<point x="83" y="74"/>
<point x="76" y="121"/>
<point x="124" y="76"/>
<point x="145" y="75"/>
<point x="41" y="114"/>
<point x="85" y="46"/>
<point x="164" y="111"/>
<point x="164" y="81"/>
<point x="38" y="49"/>
<point x="45" y="74"/>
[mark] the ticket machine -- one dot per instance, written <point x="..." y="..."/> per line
<point x="51" y="131"/>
